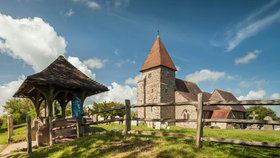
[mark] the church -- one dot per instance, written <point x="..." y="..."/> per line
<point x="158" y="84"/>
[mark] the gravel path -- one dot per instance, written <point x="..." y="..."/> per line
<point x="15" y="147"/>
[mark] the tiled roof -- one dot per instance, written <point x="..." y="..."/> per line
<point x="158" y="56"/>
<point x="220" y="114"/>
<point x="226" y="96"/>
<point x="187" y="86"/>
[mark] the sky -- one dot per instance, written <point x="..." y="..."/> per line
<point x="229" y="45"/>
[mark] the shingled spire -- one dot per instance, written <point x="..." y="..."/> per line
<point x="158" y="56"/>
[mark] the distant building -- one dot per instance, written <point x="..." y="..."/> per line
<point x="159" y="84"/>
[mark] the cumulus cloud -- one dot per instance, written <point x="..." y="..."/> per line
<point x="70" y="12"/>
<point x="257" y="83"/>
<point x="7" y="90"/>
<point x="81" y="66"/>
<point x="207" y="75"/>
<point x="247" y="58"/>
<point x="30" y="39"/>
<point x="117" y="93"/>
<point x="89" y="3"/>
<point x="252" y="25"/>
<point x="253" y="95"/>
<point x="275" y="96"/>
<point x="95" y="63"/>
<point x="133" y="81"/>
<point x="120" y="3"/>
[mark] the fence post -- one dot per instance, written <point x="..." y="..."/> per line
<point x="128" y="117"/>
<point x="78" y="126"/>
<point x="199" y="130"/>
<point x="51" y="130"/>
<point x="10" y="128"/>
<point x="29" y="140"/>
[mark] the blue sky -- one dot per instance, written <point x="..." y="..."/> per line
<point x="228" y="45"/>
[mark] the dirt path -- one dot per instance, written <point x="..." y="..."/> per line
<point x="15" y="147"/>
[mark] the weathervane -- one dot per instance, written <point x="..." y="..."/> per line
<point x="158" y="32"/>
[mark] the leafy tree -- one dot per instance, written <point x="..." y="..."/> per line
<point x="106" y="105"/>
<point x="262" y="112"/>
<point x="19" y="108"/>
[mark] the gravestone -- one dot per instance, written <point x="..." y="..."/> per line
<point x="268" y="127"/>
<point x="157" y="125"/>
<point x="134" y="122"/>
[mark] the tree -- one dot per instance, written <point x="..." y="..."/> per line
<point x="106" y="105"/>
<point x="261" y="112"/>
<point x="19" y="108"/>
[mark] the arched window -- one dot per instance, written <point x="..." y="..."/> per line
<point x="185" y="114"/>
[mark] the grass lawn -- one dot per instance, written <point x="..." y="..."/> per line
<point x="115" y="145"/>
<point x="19" y="135"/>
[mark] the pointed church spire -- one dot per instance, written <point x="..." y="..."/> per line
<point x="158" y="56"/>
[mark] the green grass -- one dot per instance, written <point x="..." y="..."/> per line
<point x="116" y="145"/>
<point x="19" y="135"/>
<point x="252" y="135"/>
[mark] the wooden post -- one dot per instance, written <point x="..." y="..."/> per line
<point x="128" y="117"/>
<point x="51" y="130"/>
<point x="78" y="125"/>
<point x="29" y="140"/>
<point x="199" y="130"/>
<point x="10" y="128"/>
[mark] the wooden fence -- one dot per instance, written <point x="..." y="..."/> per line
<point x="199" y="133"/>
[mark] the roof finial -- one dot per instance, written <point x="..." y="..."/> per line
<point x="158" y="32"/>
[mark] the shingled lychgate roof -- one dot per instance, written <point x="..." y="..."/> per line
<point x="158" y="56"/>
<point x="61" y="74"/>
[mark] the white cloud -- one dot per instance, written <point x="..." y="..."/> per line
<point x="275" y="96"/>
<point x="250" y="27"/>
<point x="133" y="81"/>
<point x="117" y="93"/>
<point x="121" y="3"/>
<point x="81" y="66"/>
<point x="257" y="83"/>
<point x="30" y="39"/>
<point x="70" y="12"/>
<point x="127" y="61"/>
<point x="207" y="75"/>
<point x="89" y="3"/>
<point x="247" y="58"/>
<point x="95" y="63"/>
<point x="7" y="90"/>
<point x="253" y="95"/>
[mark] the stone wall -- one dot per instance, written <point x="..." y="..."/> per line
<point x="185" y="112"/>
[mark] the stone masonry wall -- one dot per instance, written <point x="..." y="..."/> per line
<point x="188" y="111"/>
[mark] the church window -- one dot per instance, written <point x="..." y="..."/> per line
<point x="185" y="114"/>
<point x="149" y="75"/>
<point x="167" y="74"/>
<point x="152" y="90"/>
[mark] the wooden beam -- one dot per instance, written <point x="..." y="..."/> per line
<point x="127" y="116"/>
<point x="167" y="120"/>
<point x="194" y="103"/>
<point x="104" y="121"/>
<point x="243" y="121"/>
<point x="242" y="142"/>
<point x="243" y="102"/>
<point x="29" y="139"/>
<point x="199" y="129"/>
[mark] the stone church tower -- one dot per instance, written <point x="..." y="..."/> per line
<point x="157" y="84"/>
